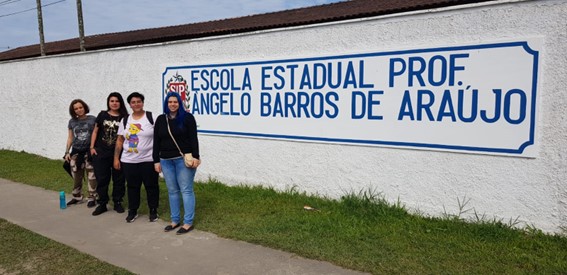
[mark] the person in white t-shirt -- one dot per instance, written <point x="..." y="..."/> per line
<point x="135" y="142"/>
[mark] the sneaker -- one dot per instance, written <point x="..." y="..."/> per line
<point x="132" y="215"/>
<point x="75" y="201"/>
<point x="153" y="215"/>
<point x="101" y="208"/>
<point x="118" y="207"/>
<point x="91" y="204"/>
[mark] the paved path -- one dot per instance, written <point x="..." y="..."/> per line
<point x="142" y="247"/>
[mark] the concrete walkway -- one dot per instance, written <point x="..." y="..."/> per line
<point x="142" y="247"/>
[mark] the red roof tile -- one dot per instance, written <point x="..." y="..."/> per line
<point x="297" y="17"/>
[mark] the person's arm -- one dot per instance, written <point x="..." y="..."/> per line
<point x="117" y="151"/>
<point x="119" y="144"/>
<point x="193" y="140"/>
<point x="156" y="147"/>
<point x="70" y="136"/>
<point x="93" y="139"/>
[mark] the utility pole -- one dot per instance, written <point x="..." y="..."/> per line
<point x="40" y="26"/>
<point x="81" y="27"/>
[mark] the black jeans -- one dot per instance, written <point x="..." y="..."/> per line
<point x="136" y="174"/>
<point x="104" y="171"/>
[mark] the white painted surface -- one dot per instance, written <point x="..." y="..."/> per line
<point x="35" y="95"/>
<point x="482" y="100"/>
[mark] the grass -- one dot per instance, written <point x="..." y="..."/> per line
<point x="360" y="231"/>
<point x="25" y="252"/>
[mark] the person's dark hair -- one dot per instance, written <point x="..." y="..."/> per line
<point x="122" y="110"/>
<point x="180" y="112"/>
<point x="75" y="101"/>
<point x="135" y="94"/>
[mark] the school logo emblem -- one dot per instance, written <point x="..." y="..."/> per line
<point x="179" y="85"/>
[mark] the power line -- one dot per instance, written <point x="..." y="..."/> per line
<point x="4" y="15"/>
<point x="8" y="2"/>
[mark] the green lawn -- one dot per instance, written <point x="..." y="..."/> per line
<point x="359" y="231"/>
<point x="25" y="252"/>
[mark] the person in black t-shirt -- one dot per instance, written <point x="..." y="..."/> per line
<point x="102" y="143"/>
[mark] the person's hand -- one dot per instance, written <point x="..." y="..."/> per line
<point x="116" y="164"/>
<point x="195" y="163"/>
<point x="93" y="152"/>
<point x="157" y="167"/>
<point x="67" y="157"/>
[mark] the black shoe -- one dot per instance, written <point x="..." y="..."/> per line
<point x="74" y="201"/>
<point x="132" y="215"/>
<point x="118" y="207"/>
<point x="171" y="227"/>
<point x="101" y="208"/>
<point x="91" y="204"/>
<point x="153" y="215"/>
<point x="183" y="230"/>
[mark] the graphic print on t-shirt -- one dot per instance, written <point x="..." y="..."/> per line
<point x="82" y="137"/>
<point x="132" y="137"/>
<point x="110" y="130"/>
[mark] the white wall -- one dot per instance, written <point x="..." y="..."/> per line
<point x="35" y="93"/>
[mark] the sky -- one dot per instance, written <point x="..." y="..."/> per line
<point x="19" y="27"/>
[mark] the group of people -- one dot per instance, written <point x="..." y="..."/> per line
<point x="132" y="150"/>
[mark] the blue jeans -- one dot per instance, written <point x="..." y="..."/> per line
<point x="179" y="181"/>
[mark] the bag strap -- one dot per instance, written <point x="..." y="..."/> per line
<point x="125" y="120"/>
<point x="148" y="116"/>
<point x="171" y="135"/>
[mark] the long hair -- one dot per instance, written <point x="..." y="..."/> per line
<point x="72" y="110"/>
<point x="122" y="110"/>
<point x="180" y="112"/>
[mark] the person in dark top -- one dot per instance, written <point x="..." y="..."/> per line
<point x="79" y="131"/>
<point x="103" y="141"/>
<point x="175" y="134"/>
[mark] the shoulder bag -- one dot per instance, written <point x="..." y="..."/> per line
<point x="187" y="158"/>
